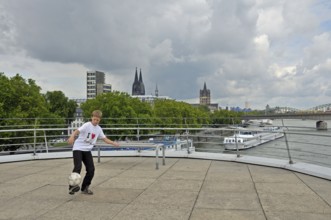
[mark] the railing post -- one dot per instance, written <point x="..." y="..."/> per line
<point x="34" y="137"/>
<point x="98" y="153"/>
<point x="288" y="149"/>
<point x="287" y="146"/>
<point x="235" y="139"/>
<point x="163" y="154"/>
<point x="188" y="147"/>
<point x="138" y="136"/>
<point x="34" y="142"/>
<point x="46" y="145"/>
<point x="157" y="157"/>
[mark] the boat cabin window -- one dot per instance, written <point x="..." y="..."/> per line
<point x="246" y="132"/>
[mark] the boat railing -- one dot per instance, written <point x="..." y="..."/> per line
<point x="298" y="144"/>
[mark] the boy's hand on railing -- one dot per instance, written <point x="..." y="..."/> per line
<point x="108" y="141"/>
<point x="116" y="144"/>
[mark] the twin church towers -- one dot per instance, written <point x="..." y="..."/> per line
<point x="138" y="88"/>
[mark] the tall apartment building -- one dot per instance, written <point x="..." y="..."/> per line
<point x="95" y="84"/>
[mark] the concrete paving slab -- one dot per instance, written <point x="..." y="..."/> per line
<point x="37" y="180"/>
<point x="10" y="190"/>
<point x="114" y="166"/>
<point x="141" y="173"/>
<point x="148" y="164"/>
<point x="154" y="211"/>
<point x="83" y="210"/>
<point x="294" y="203"/>
<point x="272" y="175"/>
<point x="103" y="174"/>
<point x="8" y="176"/>
<point x="191" y="165"/>
<point x="121" y="162"/>
<point x="184" y="175"/>
<point x="52" y="163"/>
<point x="224" y="186"/>
<point x="127" y="183"/>
<point x="318" y="185"/>
<point x="219" y="214"/>
<point x="313" y="181"/>
<point x="26" y="170"/>
<point x="24" y="208"/>
<point x="224" y="166"/>
<point x="166" y="197"/>
<point x="297" y="215"/>
<point x="109" y="195"/>
<point x="284" y="188"/>
<point x="131" y="188"/>
<point x="8" y="166"/>
<point x="266" y="169"/>
<point x="48" y="192"/>
<point x="228" y="200"/>
<point x="235" y="176"/>
<point x="174" y="184"/>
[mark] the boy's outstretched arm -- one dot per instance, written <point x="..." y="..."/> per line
<point x="108" y="141"/>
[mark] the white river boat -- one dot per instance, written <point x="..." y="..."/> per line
<point x="248" y="138"/>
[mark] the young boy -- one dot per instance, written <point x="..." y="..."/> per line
<point x="88" y="134"/>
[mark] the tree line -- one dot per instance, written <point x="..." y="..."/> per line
<point x="23" y="105"/>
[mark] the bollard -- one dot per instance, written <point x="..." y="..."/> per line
<point x="321" y="125"/>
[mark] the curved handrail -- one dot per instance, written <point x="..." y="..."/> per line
<point x="304" y="146"/>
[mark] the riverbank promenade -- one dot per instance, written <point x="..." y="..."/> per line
<point x="131" y="188"/>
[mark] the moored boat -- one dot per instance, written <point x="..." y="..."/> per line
<point x="247" y="138"/>
<point x="260" y="123"/>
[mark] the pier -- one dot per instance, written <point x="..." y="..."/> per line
<point x="290" y="179"/>
<point x="131" y="188"/>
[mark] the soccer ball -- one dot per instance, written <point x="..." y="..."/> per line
<point x="74" y="179"/>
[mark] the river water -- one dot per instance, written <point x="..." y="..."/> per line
<point x="305" y="144"/>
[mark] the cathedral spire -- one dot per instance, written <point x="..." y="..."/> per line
<point x="141" y="84"/>
<point x="140" y="77"/>
<point x="136" y="75"/>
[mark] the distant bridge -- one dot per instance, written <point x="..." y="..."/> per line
<point x="324" y="107"/>
<point x="318" y="116"/>
<point x="319" y="108"/>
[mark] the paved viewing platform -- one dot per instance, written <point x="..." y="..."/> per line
<point x="131" y="188"/>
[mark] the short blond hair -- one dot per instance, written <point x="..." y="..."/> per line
<point x="97" y="113"/>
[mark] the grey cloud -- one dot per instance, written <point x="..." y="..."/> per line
<point x="180" y="44"/>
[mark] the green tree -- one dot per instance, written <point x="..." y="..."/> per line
<point x="220" y="118"/>
<point x="116" y="105"/>
<point x="22" y="106"/>
<point x="60" y="105"/>
<point x="119" y="109"/>
<point x="180" y="114"/>
<point x="20" y="102"/>
<point x="20" y="98"/>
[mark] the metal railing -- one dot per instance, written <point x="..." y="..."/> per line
<point x="298" y="144"/>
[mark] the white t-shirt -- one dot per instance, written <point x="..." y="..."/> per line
<point x="88" y="137"/>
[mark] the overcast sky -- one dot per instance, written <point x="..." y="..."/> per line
<point x="275" y="52"/>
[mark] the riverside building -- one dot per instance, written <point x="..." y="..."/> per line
<point x="95" y="84"/>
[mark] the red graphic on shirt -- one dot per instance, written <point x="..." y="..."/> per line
<point x="93" y="135"/>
